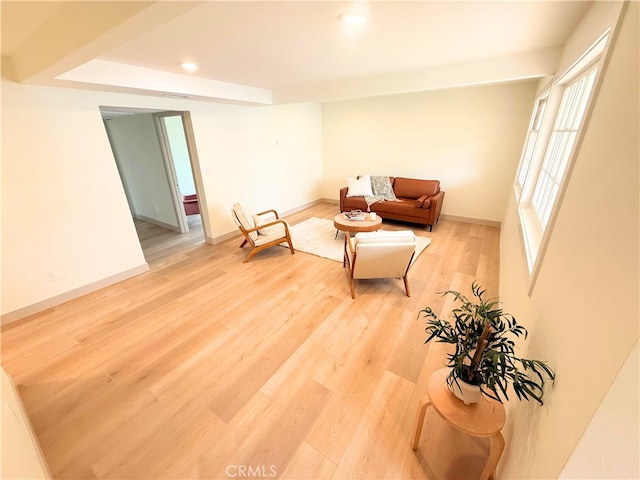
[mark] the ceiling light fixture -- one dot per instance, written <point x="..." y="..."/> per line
<point x="353" y="18"/>
<point x="189" y="66"/>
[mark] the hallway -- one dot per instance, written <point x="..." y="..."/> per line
<point x="159" y="244"/>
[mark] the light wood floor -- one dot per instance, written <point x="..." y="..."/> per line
<point x="206" y="367"/>
<point x="159" y="243"/>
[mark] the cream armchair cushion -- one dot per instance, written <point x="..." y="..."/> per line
<point x="381" y="254"/>
<point x="275" y="232"/>
<point x="244" y="221"/>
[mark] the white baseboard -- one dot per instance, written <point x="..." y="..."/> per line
<point x="71" y="294"/>
<point x="168" y="226"/>
<point x="223" y="238"/>
<point x="301" y="207"/>
<point x="477" y="221"/>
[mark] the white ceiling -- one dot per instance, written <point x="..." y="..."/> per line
<point x="278" y="45"/>
<point x="299" y="50"/>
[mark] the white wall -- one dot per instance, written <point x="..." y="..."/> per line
<point x="63" y="204"/>
<point x="264" y="157"/>
<point x="469" y="138"/>
<point x="609" y="447"/>
<point x="179" y="153"/>
<point x="583" y="312"/>
<point x="136" y="147"/>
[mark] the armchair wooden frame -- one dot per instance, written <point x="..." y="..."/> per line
<point x="350" y="259"/>
<point x="257" y="247"/>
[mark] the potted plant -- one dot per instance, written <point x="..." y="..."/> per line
<point x="484" y="359"/>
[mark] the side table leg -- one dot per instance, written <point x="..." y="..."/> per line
<point x="422" y="409"/>
<point x="496" y="447"/>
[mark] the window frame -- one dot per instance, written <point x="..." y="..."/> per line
<point x="562" y="141"/>
<point x="527" y="162"/>
<point x="535" y="236"/>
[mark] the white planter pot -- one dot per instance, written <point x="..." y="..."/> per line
<point x="466" y="392"/>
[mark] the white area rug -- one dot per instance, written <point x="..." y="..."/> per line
<point x="317" y="237"/>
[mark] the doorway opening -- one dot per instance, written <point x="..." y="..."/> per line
<point x="157" y="162"/>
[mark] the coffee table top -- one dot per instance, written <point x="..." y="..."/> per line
<point x="367" y="225"/>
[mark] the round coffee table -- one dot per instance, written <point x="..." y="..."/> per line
<point x="483" y="419"/>
<point x="343" y="224"/>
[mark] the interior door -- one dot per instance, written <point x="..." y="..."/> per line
<point x="172" y="173"/>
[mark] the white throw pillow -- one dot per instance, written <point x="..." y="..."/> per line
<point x="261" y="221"/>
<point x="359" y="187"/>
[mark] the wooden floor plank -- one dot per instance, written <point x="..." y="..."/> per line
<point x="308" y="463"/>
<point x="282" y="439"/>
<point x="371" y="448"/>
<point x="332" y="433"/>
<point x="242" y="383"/>
<point x="241" y="437"/>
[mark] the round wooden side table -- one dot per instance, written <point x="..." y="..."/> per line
<point x="483" y="419"/>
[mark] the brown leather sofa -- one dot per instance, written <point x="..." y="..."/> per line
<point x="418" y="201"/>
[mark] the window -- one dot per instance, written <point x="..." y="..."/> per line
<point x="531" y="142"/>
<point x="550" y="148"/>
<point x="563" y="137"/>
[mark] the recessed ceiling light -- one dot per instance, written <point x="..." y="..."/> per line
<point x="353" y="18"/>
<point x="189" y="66"/>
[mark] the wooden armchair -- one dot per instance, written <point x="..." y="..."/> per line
<point x="260" y="231"/>
<point x="381" y="254"/>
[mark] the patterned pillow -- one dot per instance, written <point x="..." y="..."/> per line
<point x="381" y="187"/>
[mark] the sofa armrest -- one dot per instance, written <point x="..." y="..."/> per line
<point x="436" y="206"/>
<point x="343" y="195"/>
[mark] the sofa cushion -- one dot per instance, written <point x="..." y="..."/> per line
<point x="402" y="206"/>
<point x="360" y="186"/>
<point x="414" y="188"/>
